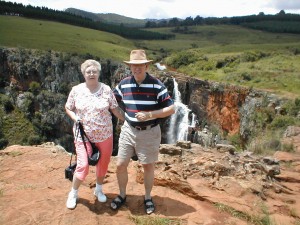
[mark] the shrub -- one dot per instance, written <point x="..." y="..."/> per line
<point x="27" y="106"/>
<point x="235" y="140"/>
<point x="288" y="147"/>
<point x="3" y="143"/>
<point x="182" y="59"/>
<point x="262" y="117"/>
<point x="34" y="140"/>
<point x="282" y="122"/>
<point x="292" y="108"/>
<point x="34" y="87"/>
<point x="253" y="56"/>
<point x="273" y="144"/>
<point x="64" y="88"/>
<point x="7" y="103"/>
<point x="246" y="76"/>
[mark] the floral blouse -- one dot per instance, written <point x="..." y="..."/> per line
<point x="93" y="110"/>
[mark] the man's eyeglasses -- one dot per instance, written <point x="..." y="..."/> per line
<point x="89" y="72"/>
<point x="138" y="65"/>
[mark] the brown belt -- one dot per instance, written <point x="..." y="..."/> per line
<point x="144" y="127"/>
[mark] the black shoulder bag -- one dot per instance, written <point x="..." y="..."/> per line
<point x="94" y="158"/>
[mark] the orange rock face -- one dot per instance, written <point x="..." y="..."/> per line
<point x="224" y="108"/>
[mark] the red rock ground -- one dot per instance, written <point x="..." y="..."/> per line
<point x="33" y="190"/>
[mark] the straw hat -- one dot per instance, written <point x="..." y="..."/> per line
<point x="138" y="57"/>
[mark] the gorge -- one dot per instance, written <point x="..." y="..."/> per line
<point x="37" y="84"/>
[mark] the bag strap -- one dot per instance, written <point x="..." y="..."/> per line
<point x="71" y="159"/>
<point x="82" y="134"/>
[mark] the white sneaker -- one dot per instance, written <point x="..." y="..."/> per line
<point x="100" y="196"/>
<point x="72" y="199"/>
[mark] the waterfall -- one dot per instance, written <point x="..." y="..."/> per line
<point x="179" y="121"/>
<point x="193" y="122"/>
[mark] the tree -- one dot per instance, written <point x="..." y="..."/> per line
<point x="173" y="22"/>
<point x="188" y="21"/>
<point x="198" y="20"/>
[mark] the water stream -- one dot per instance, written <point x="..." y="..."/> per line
<point x="179" y="122"/>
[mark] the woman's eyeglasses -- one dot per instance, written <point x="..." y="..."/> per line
<point x="89" y="72"/>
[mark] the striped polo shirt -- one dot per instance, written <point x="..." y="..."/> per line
<point x="149" y="96"/>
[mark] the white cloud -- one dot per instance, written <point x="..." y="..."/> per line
<point x="286" y="4"/>
<point x="155" y="13"/>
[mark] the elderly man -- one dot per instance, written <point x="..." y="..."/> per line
<point x="146" y="99"/>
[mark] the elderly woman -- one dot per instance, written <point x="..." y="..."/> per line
<point x="91" y="103"/>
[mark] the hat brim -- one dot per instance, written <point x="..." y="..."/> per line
<point x="137" y="62"/>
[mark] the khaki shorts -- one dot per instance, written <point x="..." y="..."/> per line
<point x="143" y="143"/>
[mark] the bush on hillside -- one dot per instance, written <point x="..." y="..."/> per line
<point x="292" y="108"/>
<point x="34" y="87"/>
<point x="34" y="140"/>
<point x="265" y="144"/>
<point x="64" y="88"/>
<point x="253" y="56"/>
<point x="26" y="105"/>
<point x="8" y="106"/>
<point x="3" y="143"/>
<point x="282" y="122"/>
<point x="182" y="59"/>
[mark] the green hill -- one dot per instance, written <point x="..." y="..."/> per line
<point x="46" y="35"/>
<point x="225" y="53"/>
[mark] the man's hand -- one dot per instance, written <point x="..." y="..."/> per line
<point x="142" y="115"/>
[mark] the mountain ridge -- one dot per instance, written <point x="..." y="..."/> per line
<point x="113" y="18"/>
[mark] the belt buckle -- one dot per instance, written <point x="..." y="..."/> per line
<point x="138" y="127"/>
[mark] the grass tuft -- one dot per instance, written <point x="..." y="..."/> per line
<point x="156" y="220"/>
<point x="264" y="219"/>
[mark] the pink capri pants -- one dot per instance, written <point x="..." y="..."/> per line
<point x="82" y="168"/>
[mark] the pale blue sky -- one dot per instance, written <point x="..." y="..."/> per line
<point x="161" y="9"/>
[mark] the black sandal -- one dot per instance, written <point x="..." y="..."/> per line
<point x="118" y="201"/>
<point x="149" y="206"/>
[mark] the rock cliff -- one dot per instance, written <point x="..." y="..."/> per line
<point x="38" y="83"/>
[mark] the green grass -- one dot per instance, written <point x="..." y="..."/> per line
<point x="278" y="73"/>
<point x="263" y="219"/>
<point x="47" y="35"/>
<point x="222" y="39"/>
<point x="15" y="153"/>
<point x="155" y="220"/>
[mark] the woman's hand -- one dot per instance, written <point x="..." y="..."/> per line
<point x="77" y="119"/>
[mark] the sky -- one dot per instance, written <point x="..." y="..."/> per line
<point x="163" y="9"/>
